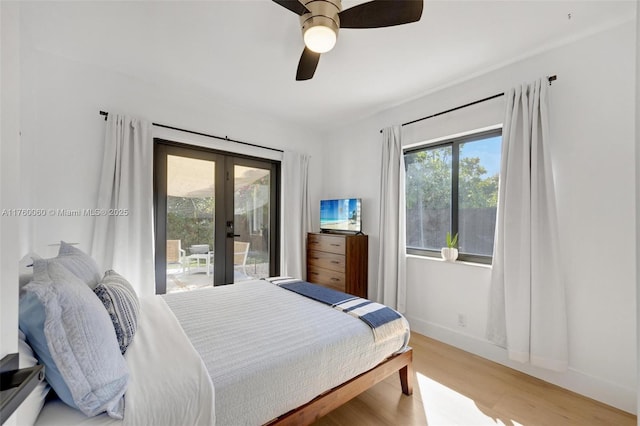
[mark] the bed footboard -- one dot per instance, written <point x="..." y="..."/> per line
<point x="323" y="404"/>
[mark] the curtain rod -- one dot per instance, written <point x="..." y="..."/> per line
<point x="550" y="79"/>
<point x="226" y="138"/>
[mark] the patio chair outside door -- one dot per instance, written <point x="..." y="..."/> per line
<point x="175" y="255"/>
<point x="240" y="254"/>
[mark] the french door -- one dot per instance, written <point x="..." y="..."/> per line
<point x="216" y="217"/>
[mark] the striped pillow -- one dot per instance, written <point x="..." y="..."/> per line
<point x="120" y="299"/>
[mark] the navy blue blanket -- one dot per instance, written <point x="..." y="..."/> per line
<point x="325" y="295"/>
<point x="373" y="314"/>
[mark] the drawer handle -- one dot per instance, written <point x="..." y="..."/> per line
<point x="335" y="261"/>
<point x="314" y="273"/>
<point x="314" y="258"/>
<point x="335" y="279"/>
<point x="335" y="245"/>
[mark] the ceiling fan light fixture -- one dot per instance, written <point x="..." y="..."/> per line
<point x="320" y="39"/>
<point x="321" y="21"/>
<point x="321" y="24"/>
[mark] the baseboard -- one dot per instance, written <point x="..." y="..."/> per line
<point x="592" y="387"/>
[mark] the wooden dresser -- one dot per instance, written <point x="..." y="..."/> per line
<point x="338" y="261"/>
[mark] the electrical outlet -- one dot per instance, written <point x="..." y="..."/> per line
<point x="462" y="320"/>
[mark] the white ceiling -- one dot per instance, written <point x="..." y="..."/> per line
<point x="246" y="52"/>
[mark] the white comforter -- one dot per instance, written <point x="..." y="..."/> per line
<point x="169" y="383"/>
<point x="269" y="350"/>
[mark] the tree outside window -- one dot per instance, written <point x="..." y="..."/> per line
<point x="453" y="187"/>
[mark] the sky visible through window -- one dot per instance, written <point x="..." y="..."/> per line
<point x="488" y="150"/>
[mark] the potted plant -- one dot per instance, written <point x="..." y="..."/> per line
<point x="450" y="252"/>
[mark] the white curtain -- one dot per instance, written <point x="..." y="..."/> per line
<point x="392" y="286"/>
<point x="123" y="237"/>
<point x="528" y="312"/>
<point x="296" y="219"/>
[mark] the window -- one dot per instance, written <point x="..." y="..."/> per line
<point x="452" y="186"/>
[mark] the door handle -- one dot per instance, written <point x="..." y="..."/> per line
<point x="230" y="233"/>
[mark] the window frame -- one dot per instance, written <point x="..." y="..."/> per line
<point x="454" y="142"/>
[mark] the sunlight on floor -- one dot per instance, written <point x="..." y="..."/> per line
<point x="444" y="406"/>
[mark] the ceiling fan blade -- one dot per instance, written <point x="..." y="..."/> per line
<point x="307" y="65"/>
<point x="293" y="5"/>
<point x="381" y="13"/>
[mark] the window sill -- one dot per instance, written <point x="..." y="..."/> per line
<point x="455" y="262"/>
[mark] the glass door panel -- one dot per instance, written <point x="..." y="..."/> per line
<point x="216" y="217"/>
<point x="190" y="223"/>
<point x="252" y="219"/>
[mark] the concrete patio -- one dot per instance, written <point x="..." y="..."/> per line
<point x="183" y="279"/>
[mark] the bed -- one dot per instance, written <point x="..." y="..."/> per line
<point x="250" y="353"/>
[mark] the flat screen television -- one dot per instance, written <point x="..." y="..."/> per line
<point x="341" y="215"/>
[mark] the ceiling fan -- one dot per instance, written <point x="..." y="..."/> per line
<point x="321" y="20"/>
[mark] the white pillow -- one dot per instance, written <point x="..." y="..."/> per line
<point x="79" y="263"/>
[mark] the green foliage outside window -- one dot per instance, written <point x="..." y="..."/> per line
<point x="190" y="220"/>
<point x="476" y="189"/>
<point x="429" y="190"/>
<point x="429" y="183"/>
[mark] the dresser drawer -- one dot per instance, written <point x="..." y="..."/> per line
<point x="323" y="259"/>
<point x="326" y="277"/>
<point x="328" y="243"/>
<point x="338" y="261"/>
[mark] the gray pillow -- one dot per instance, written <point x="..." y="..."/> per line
<point x="79" y="263"/>
<point x="121" y="302"/>
<point x="72" y="335"/>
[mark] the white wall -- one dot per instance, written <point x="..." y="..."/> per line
<point x="9" y="183"/>
<point x="638" y="201"/>
<point x="64" y="134"/>
<point x="9" y="174"/>
<point x="592" y="127"/>
<point x="57" y="162"/>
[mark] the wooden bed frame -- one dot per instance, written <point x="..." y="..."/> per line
<point x="332" y="399"/>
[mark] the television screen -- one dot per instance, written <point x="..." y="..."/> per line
<point x="340" y="215"/>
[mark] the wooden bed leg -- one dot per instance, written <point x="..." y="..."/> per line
<point x="406" y="378"/>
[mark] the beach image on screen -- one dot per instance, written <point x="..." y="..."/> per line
<point x="343" y="215"/>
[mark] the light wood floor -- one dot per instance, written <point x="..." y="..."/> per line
<point x="453" y="387"/>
